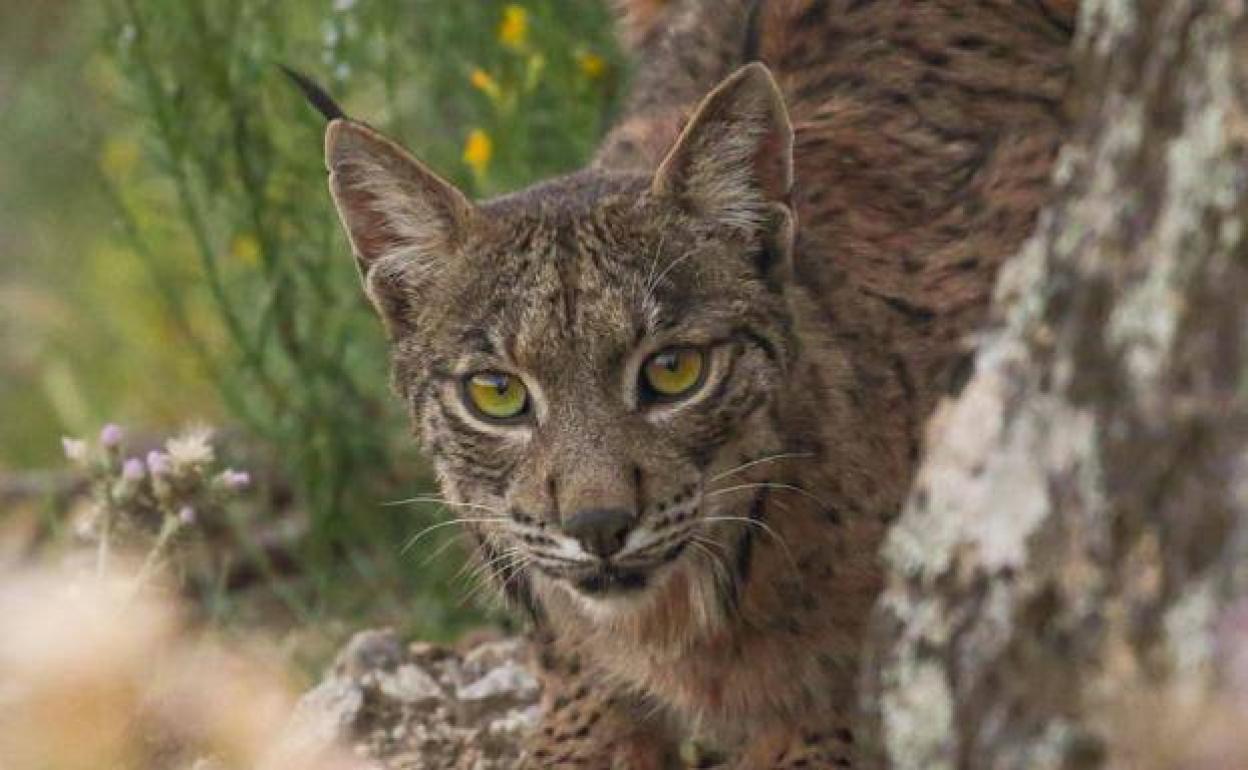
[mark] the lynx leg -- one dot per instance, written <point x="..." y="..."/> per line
<point x="804" y="749"/>
<point x="588" y="724"/>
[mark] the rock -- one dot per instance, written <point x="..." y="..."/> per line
<point x="410" y="684"/>
<point x="507" y="685"/>
<point x="374" y="650"/>
<point x="327" y="713"/>
<point x="427" y="652"/>
<point x="489" y="655"/>
<point x="423" y="706"/>
<point x="515" y="723"/>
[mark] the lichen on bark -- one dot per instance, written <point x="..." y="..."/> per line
<point x="1061" y="577"/>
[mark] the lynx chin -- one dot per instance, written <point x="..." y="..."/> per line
<point x="678" y="395"/>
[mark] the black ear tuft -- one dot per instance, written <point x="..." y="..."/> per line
<point x="315" y="94"/>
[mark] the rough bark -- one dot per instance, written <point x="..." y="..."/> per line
<point x="1067" y="582"/>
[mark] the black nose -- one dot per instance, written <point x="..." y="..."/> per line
<point x="601" y="531"/>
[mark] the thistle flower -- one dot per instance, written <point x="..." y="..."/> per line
<point x="186" y="515"/>
<point x="478" y="150"/>
<point x="111" y="435"/>
<point x="513" y="30"/>
<point x="158" y="463"/>
<point x="235" y="480"/>
<point x="191" y="448"/>
<point x="133" y="469"/>
<point x="75" y="449"/>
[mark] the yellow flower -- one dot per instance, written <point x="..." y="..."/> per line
<point x="245" y="248"/>
<point x="485" y="83"/>
<point x="119" y="156"/>
<point x="478" y="150"/>
<point x="513" y="31"/>
<point x="592" y="65"/>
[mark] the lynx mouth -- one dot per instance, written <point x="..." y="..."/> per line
<point x="611" y="580"/>
<point x="619" y="577"/>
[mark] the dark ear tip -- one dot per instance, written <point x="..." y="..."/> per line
<point x="317" y="96"/>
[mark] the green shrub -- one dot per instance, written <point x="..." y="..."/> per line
<point x="211" y="165"/>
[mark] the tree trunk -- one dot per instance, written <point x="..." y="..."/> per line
<point x="1069" y="581"/>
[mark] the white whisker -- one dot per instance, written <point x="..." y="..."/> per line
<point x="434" y="527"/>
<point x="654" y="265"/>
<point x="516" y="562"/>
<point x="444" y="501"/>
<point x="760" y="461"/>
<point x="766" y="485"/>
<point x="517" y="570"/>
<point x="654" y="285"/>
<point x="442" y="549"/>
<point x="717" y="559"/>
<point x="478" y="580"/>
<point x="764" y="526"/>
<point x="480" y="569"/>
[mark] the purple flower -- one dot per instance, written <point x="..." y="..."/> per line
<point x="132" y="469"/>
<point x="186" y="515"/>
<point x="158" y="463"/>
<point x="111" y="435"/>
<point x="235" y="480"/>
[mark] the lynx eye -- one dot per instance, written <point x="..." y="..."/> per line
<point x="496" y="396"/>
<point x="672" y="373"/>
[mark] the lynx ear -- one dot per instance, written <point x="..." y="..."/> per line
<point x="733" y="163"/>
<point x="403" y="220"/>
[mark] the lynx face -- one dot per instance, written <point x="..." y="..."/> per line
<point x="586" y="359"/>
<point x="596" y="370"/>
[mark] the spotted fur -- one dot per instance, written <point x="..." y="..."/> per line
<point x="827" y="228"/>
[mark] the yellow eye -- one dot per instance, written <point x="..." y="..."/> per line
<point x="673" y="372"/>
<point x="496" y="395"/>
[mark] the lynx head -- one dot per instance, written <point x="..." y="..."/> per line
<point x="584" y="358"/>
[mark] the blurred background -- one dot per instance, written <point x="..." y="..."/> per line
<point x="169" y="257"/>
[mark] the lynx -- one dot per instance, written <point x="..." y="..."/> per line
<point x="680" y="393"/>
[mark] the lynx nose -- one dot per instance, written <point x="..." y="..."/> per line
<point x="601" y="531"/>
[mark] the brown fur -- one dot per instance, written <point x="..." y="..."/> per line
<point x="830" y="257"/>
<point x="640" y="20"/>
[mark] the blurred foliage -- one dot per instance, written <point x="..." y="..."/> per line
<point x="174" y="253"/>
